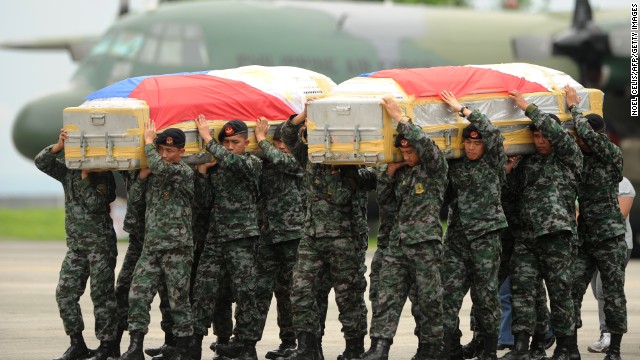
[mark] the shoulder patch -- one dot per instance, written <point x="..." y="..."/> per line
<point x="419" y="189"/>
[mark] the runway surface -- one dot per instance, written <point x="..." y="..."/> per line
<point x="30" y="326"/>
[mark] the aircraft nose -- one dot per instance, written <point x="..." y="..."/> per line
<point x="39" y="122"/>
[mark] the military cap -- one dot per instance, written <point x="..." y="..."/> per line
<point x="532" y="127"/>
<point x="231" y="128"/>
<point x="402" y="141"/>
<point x="277" y="134"/>
<point x="171" y="137"/>
<point x="471" y="132"/>
<point x="597" y="122"/>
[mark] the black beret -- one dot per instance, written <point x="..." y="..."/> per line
<point x="402" y="141"/>
<point x="471" y="132"/>
<point x="231" y="128"/>
<point x="597" y="122"/>
<point x="171" y="137"/>
<point x="532" y="127"/>
<point x="277" y="133"/>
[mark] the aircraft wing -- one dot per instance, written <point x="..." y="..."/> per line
<point x="78" y="47"/>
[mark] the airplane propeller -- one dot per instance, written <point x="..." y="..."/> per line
<point x="584" y="42"/>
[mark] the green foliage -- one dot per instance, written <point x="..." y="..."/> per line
<point x="32" y="224"/>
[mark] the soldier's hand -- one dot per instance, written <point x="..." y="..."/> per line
<point x="202" y="168"/>
<point x="62" y="137"/>
<point x="519" y="100"/>
<point x="144" y="173"/>
<point x="392" y="108"/>
<point x="203" y="128"/>
<point x="512" y="161"/>
<point x="302" y="117"/>
<point x="450" y="99"/>
<point x="572" y="96"/>
<point x="393" y="167"/>
<point x="84" y="174"/>
<point x="149" y="132"/>
<point x="262" y="127"/>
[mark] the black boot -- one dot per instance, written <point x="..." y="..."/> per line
<point x="307" y="348"/>
<point x="248" y="352"/>
<point x="379" y="350"/>
<point x="169" y="341"/>
<point x="520" y="348"/>
<point x="106" y="350"/>
<point x="561" y="352"/>
<point x="232" y="349"/>
<point x="134" y="352"/>
<point x="219" y="340"/>
<point x="195" y="346"/>
<point x="489" y="347"/>
<point x="77" y="350"/>
<point x="354" y="348"/>
<point x="280" y="351"/>
<point x="455" y="348"/>
<point x="427" y="352"/>
<point x="537" y="348"/>
<point x="613" y="353"/>
<point x="182" y="349"/>
<point x="474" y="347"/>
<point x="572" y="347"/>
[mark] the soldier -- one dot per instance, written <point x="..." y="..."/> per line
<point x="472" y="242"/>
<point x="601" y="226"/>
<point x="413" y="256"/>
<point x="329" y="243"/>
<point x="547" y="181"/>
<point x="91" y="252"/>
<point x="280" y="217"/>
<point x="167" y="255"/>
<point x="233" y="188"/>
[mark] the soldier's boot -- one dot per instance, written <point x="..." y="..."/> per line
<point x="572" y="346"/>
<point x="427" y="352"/>
<point x="520" y="348"/>
<point x="134" y="352"/>
<point x="445" y="350"/>
<point x="489" y="348"/>
<point x="118" y="340"/>
<point x="537" y="348"/>
<point x="219" y="340"/>
<point x="195" y="346"/>
<point x="455" y="348"/>
<point x="474" y="347"/>
<point x="106" y="350"/>
<point x="232" y="349"/>
<point x="320" y="352"/>
<point x="354" y="348"/>
<point x="379" y="350"/>
<point x="561" y="352"/>
<point x="613" y="353"/>
<point x="285" y="345"/>
<point x="181" y="351"/>
<point x="307" y="348"/>
<point x="248" y="352"/>
<point x="169" y="341"/>
<point x="77" y="349"/>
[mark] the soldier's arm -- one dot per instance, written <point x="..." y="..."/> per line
<point x="136" y="194"/>
<point x="291" y="137"/>
<point x="286" y="162"/>
<point x="492" y="137"/>
<point x="202" y="187"/>
<point x="430" y="155"/>
<point x="564" y="146"/>
<point x="599" y="143"/>
<point x="385" y="188"/>
<point x="239" y="164"/>
<point x="157" y="165"/>
<point x="50" y="164"/>
<point x="98" y="191"/>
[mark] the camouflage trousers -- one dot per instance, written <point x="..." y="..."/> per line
<point x="609" y="257"/>
<point x="237" y="257"/>
<point x="222" y="318"/>
<point x="275" y="270"/>
<point x="340" y="258"/>
<point x="472" y="265"/>
<point x="549" y="257"/>
<point x="157" y="270"/>
<point x="78" y="266"/>
<point x="403" y="267"/>
<point x="325" y="284"/>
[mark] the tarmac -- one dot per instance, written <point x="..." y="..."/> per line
<point x="30" y="326"/>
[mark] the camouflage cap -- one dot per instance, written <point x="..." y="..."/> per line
<point x="402" y="141"/>
<point x="171" y="137"/>
<point x="231" y="128"/>
<point x="597" y="122"/>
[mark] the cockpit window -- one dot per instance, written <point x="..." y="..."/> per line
<point x="175" y="45"/>
<point x="127" y="44"/>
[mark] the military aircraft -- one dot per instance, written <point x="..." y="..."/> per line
<point x="339" y="39"/>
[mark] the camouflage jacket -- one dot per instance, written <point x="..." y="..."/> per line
<point x="201" y="209"/>
<point x="510" y="199"/>
<point x="475" y="187"/>
<point x="600" y="215"/>
<point x="330" y="191"/>
<point x="232" y="190"/>
<point x="88" y="222"/>
<point x="136" y="205"/>
<point x="367" y="183"/>
<point x="169" y="196"/>
<point x="548" y="184"/>
<point x="419" y="191"/>
<point x="281" y="214"/>
<point x="387" y="205"/>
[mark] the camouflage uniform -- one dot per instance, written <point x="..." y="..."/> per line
<point x="547" y="204"/>
<point x="167" y="255"/>
<point x="472" y="242"/>
<point x="601" y="226"/>
<point x="91" y="244"/>
<point x="329" y="241"/>
<point x="280" y="218"/>
<point x="232" y="190"/>
<point x="414" y="253"/>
